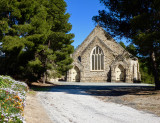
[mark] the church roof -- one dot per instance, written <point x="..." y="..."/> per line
<point x="104" y="38"/>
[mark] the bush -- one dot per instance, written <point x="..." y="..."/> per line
<point x="146" y="76"/>
<point x="12" y="100"/>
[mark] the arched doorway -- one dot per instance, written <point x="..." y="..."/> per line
<point x="75" y="74"/>
<point x="120" y="73"/>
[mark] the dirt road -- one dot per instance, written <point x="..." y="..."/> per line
<point x="67" y="105"/>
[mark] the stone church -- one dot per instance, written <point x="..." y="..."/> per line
<point x="101" y="59"/>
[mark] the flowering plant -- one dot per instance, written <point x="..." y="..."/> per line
<point x="12" y="100"/>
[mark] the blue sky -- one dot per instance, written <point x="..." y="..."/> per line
<point x="81" y="12"/>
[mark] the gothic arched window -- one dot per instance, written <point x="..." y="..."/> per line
<point x="97" y="59"/>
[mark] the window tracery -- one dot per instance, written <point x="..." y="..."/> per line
<point x="97" y="59"/>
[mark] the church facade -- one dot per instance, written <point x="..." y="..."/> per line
<point x="101" y="59"/>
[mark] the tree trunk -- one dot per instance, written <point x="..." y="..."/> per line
<point x="155" y="71"/>
<point x="44" y="78"/>
<point x="44" y="74"/>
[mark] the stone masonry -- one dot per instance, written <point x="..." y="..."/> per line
<point x="118" y="64"/>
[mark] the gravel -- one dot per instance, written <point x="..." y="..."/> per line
<point x="76" y="106"/>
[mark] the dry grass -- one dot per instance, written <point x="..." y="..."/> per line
<point x="144" y="99"/>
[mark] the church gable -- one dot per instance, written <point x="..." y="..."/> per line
<point x="120" y="60"/>
<point x="95" y="42"/>
<point x="86" y="54"/>
<point x="104" y="37"/>
<point x="100" y="59"/>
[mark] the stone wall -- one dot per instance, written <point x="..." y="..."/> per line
<point x="96" y="76"/>
<point x="114" y="55"/>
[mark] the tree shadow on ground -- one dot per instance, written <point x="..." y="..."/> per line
<point x="96" y="90"/>
<point x="120" y="91"/>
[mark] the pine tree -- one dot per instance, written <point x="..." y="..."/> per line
<point x="139" y="21"/>
<point x="36" y="38"/>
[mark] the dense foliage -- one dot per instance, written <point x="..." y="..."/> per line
<point x="144" y="67"/>
<point x="12" y="100"/>
<point x="35" y="38"/>
<point x="138" y="20"/>
<point x="145" y="70"/>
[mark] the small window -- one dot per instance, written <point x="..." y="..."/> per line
<point x="79" y="58"/>
<point x="97" y="59"/>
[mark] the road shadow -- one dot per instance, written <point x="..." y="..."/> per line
<point x="96" y="90"/>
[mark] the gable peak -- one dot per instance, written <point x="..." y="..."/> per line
<point x="98" y="25"/>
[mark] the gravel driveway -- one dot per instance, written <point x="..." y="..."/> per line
<point x="67" y="104"/>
